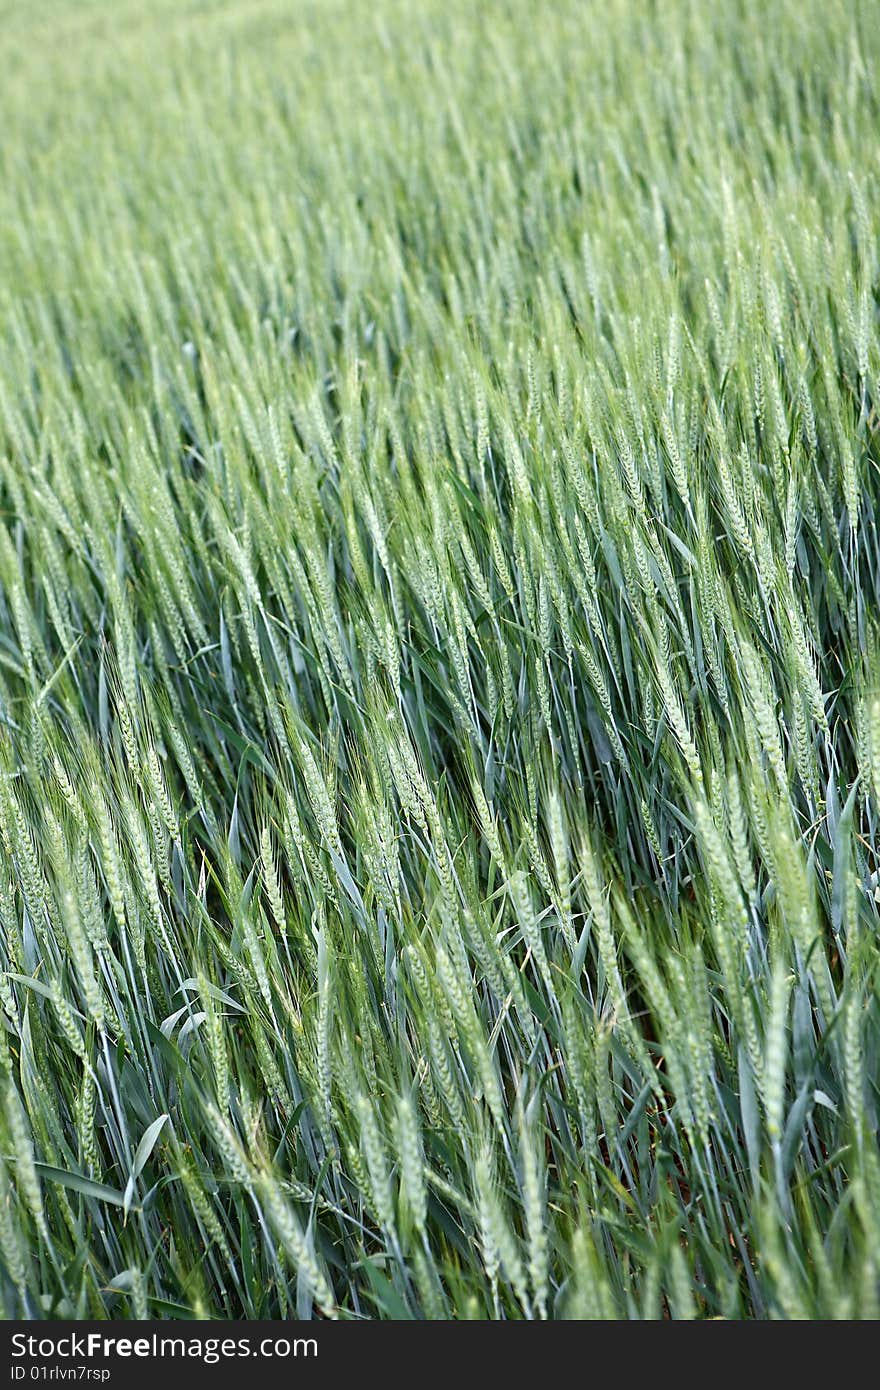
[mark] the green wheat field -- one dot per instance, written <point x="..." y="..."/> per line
<point x="439" y="659"/>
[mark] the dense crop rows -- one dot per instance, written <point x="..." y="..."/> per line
<point x="439" y="659"/>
